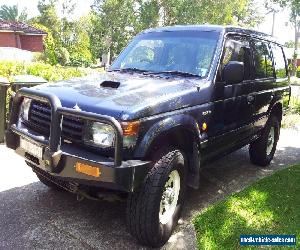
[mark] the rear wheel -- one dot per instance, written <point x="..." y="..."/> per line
<point x="154" y="209"/>
<point x="263" y="149"/>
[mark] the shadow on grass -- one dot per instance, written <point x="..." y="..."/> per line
<point x="270" y="206"/>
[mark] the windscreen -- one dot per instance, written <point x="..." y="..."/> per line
<point x="170" y="51"/>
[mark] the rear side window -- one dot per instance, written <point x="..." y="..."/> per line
<point x="262" y="60"/>
<point x="279" y="61"/>
<point x="237" y="49"/>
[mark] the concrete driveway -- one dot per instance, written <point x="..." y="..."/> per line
<point x="35" y="217"/>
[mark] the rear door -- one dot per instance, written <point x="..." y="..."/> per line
<point x="264" y="81"/>
<point x="281" y="71"/>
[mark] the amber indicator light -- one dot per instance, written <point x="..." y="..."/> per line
<point x="87" y="169"/>
<point x="130" y="128"/>
<point x="204" y="126"/>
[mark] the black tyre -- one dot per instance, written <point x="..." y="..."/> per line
<point x="154" y="209"/>
<point x="48" y="183"/>
<point x="263" y="149"/>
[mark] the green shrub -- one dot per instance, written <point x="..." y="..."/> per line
<point x="77" y="60"/>
<point x="47" y="71"/>
<point x="298" y="72"/>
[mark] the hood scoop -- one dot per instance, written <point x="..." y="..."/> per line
<point x="110" y="84"/>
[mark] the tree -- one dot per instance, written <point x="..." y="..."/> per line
<point x="69" y="41"/>
<point x="49" y="21"/>
<point x="289" y="44"/>
<point x="147" y="14"/>
<point x="114" y="23"/>
<point x="249" y="15"/>
<point x="294" y="7"/>
<point x="49" y="44"/>
<point x="75" y="35"/>
<point x="237" y="12"/>
<point x="67" y="26"/>
<point x="48" y="17"/>
<point x="12" y="13"/>
<point x="79" y="45"/>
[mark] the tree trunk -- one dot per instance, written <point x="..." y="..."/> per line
<point x="294" y="62"/>
<point x="273" y="24"/>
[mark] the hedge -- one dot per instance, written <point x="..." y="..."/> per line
<point x="298" y="72"/>
<point x="47" y="71"/>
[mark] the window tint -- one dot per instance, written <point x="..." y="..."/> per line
<point x="237" y="49"/>
<point x="279" y="61"/>
<point x="262" y="60"/>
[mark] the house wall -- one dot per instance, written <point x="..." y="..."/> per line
<point x="8" y="39"/>
<point x="32" y="43"/>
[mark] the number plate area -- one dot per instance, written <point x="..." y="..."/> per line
<point x="31" y="148"/>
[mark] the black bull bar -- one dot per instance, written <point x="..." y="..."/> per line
<point x="52" y="145"/>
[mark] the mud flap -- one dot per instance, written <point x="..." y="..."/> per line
<point x="194" y="168"/>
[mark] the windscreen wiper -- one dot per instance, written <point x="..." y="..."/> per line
<point x="130" y="70"/>
<point x="178" y="73"/>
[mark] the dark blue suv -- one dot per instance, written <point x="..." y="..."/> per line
<point x="175" y="98"/>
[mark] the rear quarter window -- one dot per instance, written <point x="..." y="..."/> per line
<point x="279" y="61"/>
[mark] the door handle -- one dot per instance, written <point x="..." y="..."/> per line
<point x="250" y="99"/>
<point x="272" y="96"/>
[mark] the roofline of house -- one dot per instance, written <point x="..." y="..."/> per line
<point x="22" y="32"/>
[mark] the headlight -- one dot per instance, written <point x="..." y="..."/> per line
<point x="24" y="110"/>
<point x="103" y="135"/>
<point x="100" y="134"/>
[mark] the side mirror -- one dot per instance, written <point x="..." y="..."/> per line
<point x="233" y="72"/>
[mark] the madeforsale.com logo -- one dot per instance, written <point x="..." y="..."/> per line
<point x="268" y="240"/>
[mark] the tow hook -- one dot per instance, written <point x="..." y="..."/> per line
<point x="101" y="196"/>
<point x="79" y="197"/>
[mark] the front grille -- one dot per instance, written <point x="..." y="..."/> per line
<point x="40" y="119"/>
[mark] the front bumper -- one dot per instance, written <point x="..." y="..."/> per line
<point x="59" y="159"/>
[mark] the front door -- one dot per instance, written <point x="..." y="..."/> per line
<point x="237" y="99"/>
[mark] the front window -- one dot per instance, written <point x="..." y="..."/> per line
<point x="237" y="48"/>
<point x="166" y="52"/>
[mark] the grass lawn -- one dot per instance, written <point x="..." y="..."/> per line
<point x="269" y="206"/>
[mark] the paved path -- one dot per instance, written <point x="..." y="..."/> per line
<point x="34" y="217"/>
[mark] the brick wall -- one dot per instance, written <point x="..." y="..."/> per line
<point x="7" y="39"/>
<point x="32" y="43"/>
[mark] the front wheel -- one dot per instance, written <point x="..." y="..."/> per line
<point x="154" y="209"/>
<point x="263" y="149"/>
